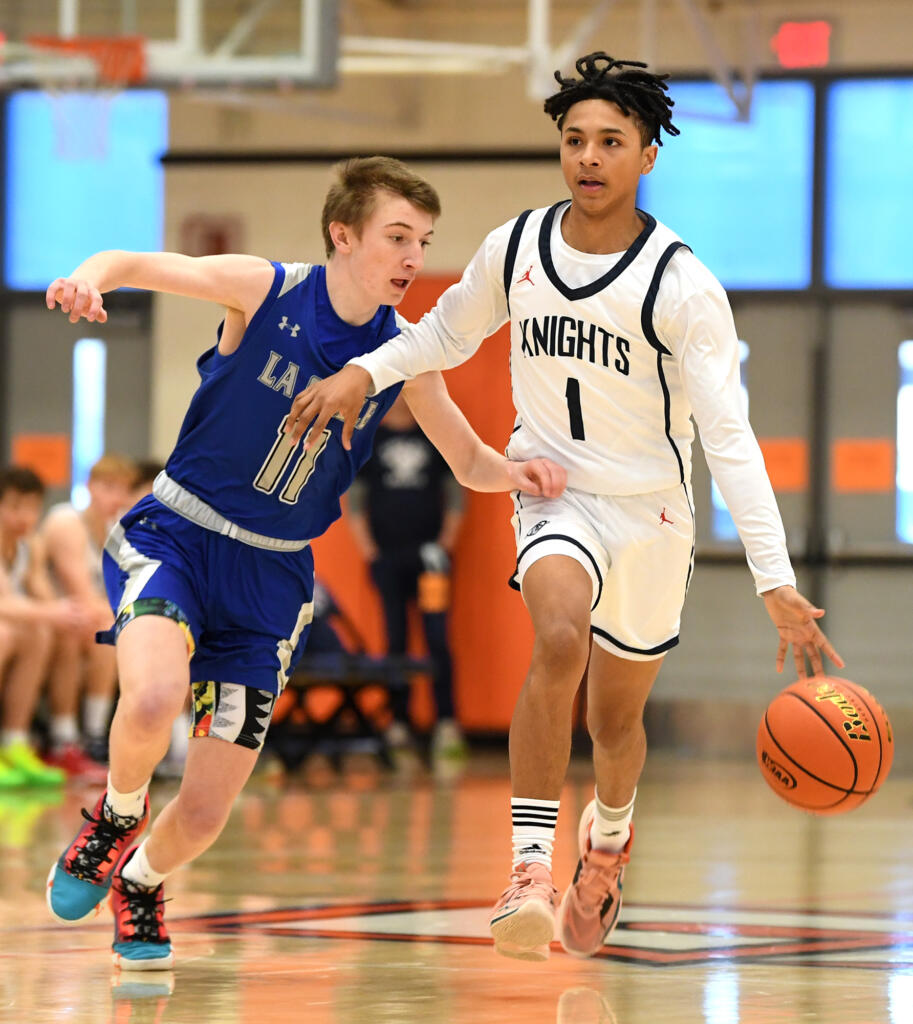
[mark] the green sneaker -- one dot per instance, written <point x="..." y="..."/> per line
<point x="447" y="741"/>
<point x="34" y="771"/>
<point x="10" y="776"/>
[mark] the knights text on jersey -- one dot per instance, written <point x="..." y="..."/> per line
<point x="594" y="387"/>
<point x="232" y="452"/>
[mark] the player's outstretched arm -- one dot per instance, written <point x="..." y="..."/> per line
<point x="474" y="463"/>
<point x="234" y="281"/>
<point x="448" y="335"/>
<point x="343" y="392"/>
<point x="795" y="618"/>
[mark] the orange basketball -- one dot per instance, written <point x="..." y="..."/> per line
<point x="825" y="745"/>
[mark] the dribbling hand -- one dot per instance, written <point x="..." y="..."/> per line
<point x="795" y="618"/>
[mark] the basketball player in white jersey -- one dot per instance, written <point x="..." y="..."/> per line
<point x="618" y="336"/>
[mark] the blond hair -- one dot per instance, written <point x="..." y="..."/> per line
<point x="113" y="467"/>
<point x="352" y="198"/>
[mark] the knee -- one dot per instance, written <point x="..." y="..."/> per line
<point x="562" y="645"/>
<point x="149" y="710"/>
<point x="100" y="614"/>
<point x="39" y="636"/>
<point x="612" y="728"/>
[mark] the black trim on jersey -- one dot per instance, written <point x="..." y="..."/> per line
<point x="646" y="324"/>
<point x="667" y="404"/>
<point x="646" y="313"/>
<point x="660" y="649"/>
<point x="510" y="257"/>
<point x="693" y="539"/>
<point x="512" y="582"/>
<point x="585" y="291"/>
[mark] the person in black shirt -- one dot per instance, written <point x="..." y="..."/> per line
<point x="405" y="510"/>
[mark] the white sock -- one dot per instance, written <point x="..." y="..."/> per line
<point x="11" y="736"/>
<point x="138" y="871"/>
<point x="611" y="826"/>
<point x="64" y="730"/>
<point x="126" y="805"/>
<point x="533" y="830"/>
<point x="96" y="716"/>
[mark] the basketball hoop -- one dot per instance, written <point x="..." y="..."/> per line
<point x="81" y="107"/>
<point x="119" y="60"/>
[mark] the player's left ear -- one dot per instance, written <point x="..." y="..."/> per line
<point x="648" y="159"/>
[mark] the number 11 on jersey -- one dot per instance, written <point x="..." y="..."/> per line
<point x="572" y="394"/>
<point x="276" y="463"/>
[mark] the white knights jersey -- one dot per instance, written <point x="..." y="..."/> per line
<point x="591" y="380"/>
<point x="610" y="357"/>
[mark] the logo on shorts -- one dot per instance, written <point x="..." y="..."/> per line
<point x="536" y="528"/>
<point x="663" y="518"/>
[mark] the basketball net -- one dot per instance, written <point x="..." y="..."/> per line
<point x="81" y="121"/>
<point x="81" y="110"/>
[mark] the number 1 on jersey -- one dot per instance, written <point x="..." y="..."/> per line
<point x="572" y="394"/>
<point x="275" y="464"/>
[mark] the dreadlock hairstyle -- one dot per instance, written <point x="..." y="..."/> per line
<point x="635" y="92"/>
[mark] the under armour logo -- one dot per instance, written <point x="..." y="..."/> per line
<point x="663" y="518"/>
<point x="293" y="328"/>
<point x="526" y="277"/>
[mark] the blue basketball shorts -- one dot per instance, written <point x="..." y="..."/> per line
<point x="246" y="611"/>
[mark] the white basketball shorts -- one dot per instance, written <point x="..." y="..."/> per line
<point x="638" y="550"/>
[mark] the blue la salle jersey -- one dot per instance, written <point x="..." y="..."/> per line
<point x="232" y="452"/>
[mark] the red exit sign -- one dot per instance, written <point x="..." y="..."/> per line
<point x="802" y="44"/>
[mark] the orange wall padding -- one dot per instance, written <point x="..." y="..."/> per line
<point x="490" y="632"/>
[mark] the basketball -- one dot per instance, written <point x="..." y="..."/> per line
<point x="825" y="745"/>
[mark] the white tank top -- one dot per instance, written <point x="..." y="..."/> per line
<point x="93" y="552"/>
<point x="17" y="570"/>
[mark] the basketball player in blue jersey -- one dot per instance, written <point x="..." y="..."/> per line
<point x="215" y="568"/>
<point x="618" y="336"/>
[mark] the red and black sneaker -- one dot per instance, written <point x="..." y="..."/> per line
<point x="81" y="877"/>
<point x="141" y="941"/>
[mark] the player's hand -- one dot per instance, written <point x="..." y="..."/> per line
<point x="795" y="619"/>
<point x="312" y="410"/>
<point x="65" y="613"/>
<point x="542" y="477"/>
<point x="77" y="297"/>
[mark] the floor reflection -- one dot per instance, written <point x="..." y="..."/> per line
<point x="364" y="897"/>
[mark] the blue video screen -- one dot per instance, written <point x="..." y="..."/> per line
<point x="869" y="184"/>
<point x="740" y="193"/>
<point x="83" y="173"/>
